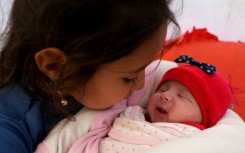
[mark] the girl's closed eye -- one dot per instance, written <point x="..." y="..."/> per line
<point x="161" y="90"/>
<point x="130" y="80"/>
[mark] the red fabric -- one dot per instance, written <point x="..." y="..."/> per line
<point x="227" y="57"/>
<point x="212" y="92"/>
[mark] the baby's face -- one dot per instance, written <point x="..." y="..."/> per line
<point x="173" y="102"/>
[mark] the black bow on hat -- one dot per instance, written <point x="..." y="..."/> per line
<point x="207" y="68"/>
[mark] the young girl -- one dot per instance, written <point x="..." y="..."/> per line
<point x="59" y="54"/>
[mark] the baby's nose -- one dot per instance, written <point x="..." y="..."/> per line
<point x="165" y="97"/>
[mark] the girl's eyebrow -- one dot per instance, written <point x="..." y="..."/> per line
<point x="142" y="67"/>
<point x="138" y="69"/>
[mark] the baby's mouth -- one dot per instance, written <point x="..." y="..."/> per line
<point x="161" y="114"/>
<point x="161" y="110"/>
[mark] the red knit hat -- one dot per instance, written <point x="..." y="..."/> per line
<point x="212" y="92"/>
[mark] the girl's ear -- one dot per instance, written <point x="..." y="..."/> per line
<point x="50" y="61"/>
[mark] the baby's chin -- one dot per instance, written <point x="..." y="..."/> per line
<point x="162" y="118"/>
<point x="159" y="116"/>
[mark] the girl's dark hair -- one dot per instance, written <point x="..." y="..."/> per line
<point x="90" y="32"/>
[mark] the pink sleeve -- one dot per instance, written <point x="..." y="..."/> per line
<point x="42" y="148"/>
<point x="89" y="143"/>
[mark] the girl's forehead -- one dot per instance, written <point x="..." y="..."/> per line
<point x="133" y="63"/>
<point x="143" y="55"/>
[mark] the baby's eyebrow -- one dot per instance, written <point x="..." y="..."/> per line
<point x="188" y="95"/>
<point x="185" y="92"/>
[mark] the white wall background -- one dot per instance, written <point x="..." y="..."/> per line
<point x="5" y="6"/>
<point x="224" y="18"/>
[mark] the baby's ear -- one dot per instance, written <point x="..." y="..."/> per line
<point x="50" y="61"/>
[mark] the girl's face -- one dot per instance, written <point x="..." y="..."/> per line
<point x="173" y="102"/>
<point x="115" y="81"/>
